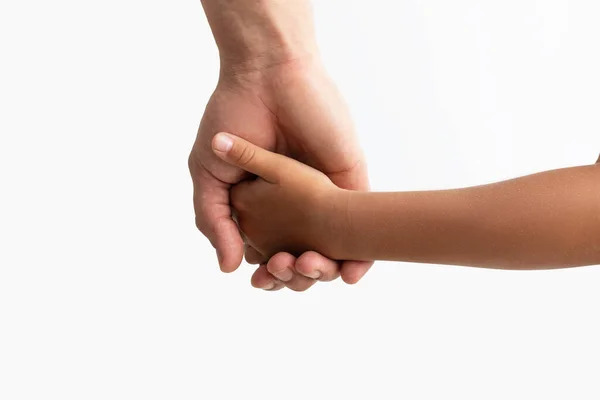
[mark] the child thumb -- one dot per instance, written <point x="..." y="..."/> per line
<point x="247" y="156"/>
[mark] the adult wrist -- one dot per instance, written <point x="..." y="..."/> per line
<point x="255" y="35"/>
<point x="276" y="55"/>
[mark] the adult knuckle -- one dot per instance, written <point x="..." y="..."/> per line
<point x="193" y="163"/>
<point x="200" y="223"/>
<point x="204" y="209"/>
<point x="202" y="218"/>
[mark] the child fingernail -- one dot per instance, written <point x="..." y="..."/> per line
<point x="223" y="143"/>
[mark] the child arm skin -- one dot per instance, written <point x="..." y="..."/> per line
<point x="541" y="221"/>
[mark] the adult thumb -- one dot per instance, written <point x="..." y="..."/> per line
<point x="247" y="156"/>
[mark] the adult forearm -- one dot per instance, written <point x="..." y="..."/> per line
<point x="256" y="34"/>
<point x="547" y="220"/>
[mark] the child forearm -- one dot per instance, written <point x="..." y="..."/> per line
<point x="546" y="220"/>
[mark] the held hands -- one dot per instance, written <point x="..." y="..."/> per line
<point x="293" y="109"/>
<point x="290" y="206"/>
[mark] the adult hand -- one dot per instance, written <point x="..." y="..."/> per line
<point x="292" y="108"/>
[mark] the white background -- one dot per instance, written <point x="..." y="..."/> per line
<point x="108" y="292"/>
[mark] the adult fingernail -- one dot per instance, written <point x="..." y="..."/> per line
<point x="314" y="274"/>
<point x="223" y="143"/>
<point x="285" y="275"/>
<point x="269" y="286"/>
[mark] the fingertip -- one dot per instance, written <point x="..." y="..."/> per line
<point x="315" y="266"/>
<point x="277" y="287"/>
<point x="253" y="256"/>
<point x="350" y="278"/>
<point x="229" y="246"/>
<point x="262" y="279"/>
<point x="353" y="271"/>
<point x="229" y="261"/>
<point x="259" y="276"/>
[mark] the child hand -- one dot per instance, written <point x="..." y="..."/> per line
<point x="290" y="206"/>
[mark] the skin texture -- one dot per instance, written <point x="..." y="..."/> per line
<point x="274" y="92"/>
<point x="540" y="221"/>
